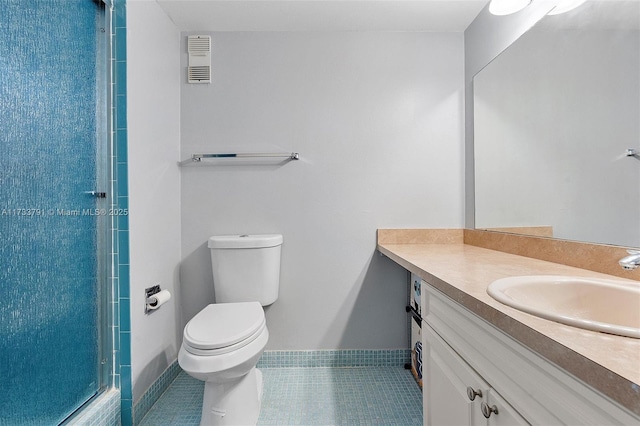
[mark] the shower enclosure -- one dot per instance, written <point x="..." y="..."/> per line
<point x="54" y="223"/>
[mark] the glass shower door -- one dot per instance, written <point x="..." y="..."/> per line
<point x="51" y="223"/>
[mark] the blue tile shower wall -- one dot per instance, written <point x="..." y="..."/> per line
<point x="48" y="263"/>
<point x="120" y="200"/>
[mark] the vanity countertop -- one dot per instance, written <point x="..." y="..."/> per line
<point x="607" y="362"/>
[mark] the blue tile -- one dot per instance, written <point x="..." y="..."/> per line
<point x="125" y="318"/>
<point x="123" y="202"/>
<point x="120" y="14"/>
<point x="122" y="344"/>
<point x="336" y="358"/>
<point x="121" y="112"/>
<point x="309" y="396"/>
<point x="126" y="413"/>
<point x="121" y="145"/>
<point x="121" y="73"/>
<point x="123" y="181"/>
<point x="123" y="281"/>
<point x="121" y="45"/>
<point x="123" y="219"/>
<point x="123" y="250"/>
<point x="116" y="341"/>
<point x="125" y="348"/>
<point x="125" y="383"/>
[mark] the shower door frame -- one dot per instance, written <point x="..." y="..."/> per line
<point x="104" y="60"/>
<point x="104" y="222"/>
<point x="104" y="178"/>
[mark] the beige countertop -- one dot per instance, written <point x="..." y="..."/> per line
<point x="608" y="363"/>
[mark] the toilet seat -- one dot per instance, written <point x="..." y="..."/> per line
<point x="224" y="327"/>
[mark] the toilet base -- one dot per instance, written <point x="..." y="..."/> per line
<point x="233" y="403"/>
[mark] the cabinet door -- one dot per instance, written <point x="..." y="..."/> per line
<point x="446" y="378"/>
<point x="506" y="415"/>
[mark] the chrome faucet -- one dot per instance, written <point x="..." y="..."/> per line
<point x="632" y="261"/>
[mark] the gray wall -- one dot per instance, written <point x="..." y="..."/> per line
<point x="377" y="119"/>
<point x="153" y="102"/>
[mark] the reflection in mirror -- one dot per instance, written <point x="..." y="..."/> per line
<point x="554" y="117"/>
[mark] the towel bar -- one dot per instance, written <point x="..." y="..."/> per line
<point x="291" y="156"/>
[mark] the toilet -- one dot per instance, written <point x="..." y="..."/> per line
<point x="223" y="343"/>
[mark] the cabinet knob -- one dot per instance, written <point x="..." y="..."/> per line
<point x="472" y="393"/>
<point x="486" y="410"/>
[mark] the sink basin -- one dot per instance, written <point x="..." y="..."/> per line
<point x="608" y="306"/>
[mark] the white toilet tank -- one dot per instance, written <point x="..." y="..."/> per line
<point x="246" y="268"/>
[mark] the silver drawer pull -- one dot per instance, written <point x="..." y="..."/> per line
<point x="486" y="410"/>
<point x="472" y="393"/>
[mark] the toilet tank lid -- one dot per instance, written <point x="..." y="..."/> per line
<point x="245" y="241"/>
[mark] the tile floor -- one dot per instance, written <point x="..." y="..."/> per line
<point x="309" y="396"/>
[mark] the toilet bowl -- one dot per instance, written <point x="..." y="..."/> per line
<point x="221" y="346"/>
<point x="223" y="343"/>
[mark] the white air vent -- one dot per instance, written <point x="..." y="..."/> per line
<point x="199" y="49"/>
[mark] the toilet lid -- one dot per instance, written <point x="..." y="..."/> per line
<point x="224" y="324"/>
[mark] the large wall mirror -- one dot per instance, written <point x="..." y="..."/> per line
<point x="554" y="117"/>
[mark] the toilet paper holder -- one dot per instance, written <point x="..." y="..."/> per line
<point x="154" y="298"/>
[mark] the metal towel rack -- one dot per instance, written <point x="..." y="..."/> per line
<point x="290" y="156"/>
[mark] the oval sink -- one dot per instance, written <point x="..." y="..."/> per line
<point x="607" y="306"/>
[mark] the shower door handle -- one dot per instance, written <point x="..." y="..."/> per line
<point x="97" y="194"/>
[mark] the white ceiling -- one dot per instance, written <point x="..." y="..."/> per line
<point x="322" y="15"/>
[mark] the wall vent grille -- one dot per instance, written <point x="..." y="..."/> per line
<point x="199" y="49"/>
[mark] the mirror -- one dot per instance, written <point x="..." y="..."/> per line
<point x="554" y="117"/>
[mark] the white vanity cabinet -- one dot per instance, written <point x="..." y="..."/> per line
<point x="465" y="358"/>
<point x="454" y="394"/>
